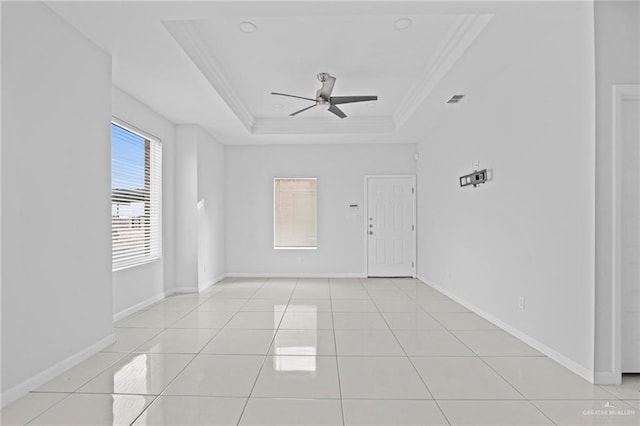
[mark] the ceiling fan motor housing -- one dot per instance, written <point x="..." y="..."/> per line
<point x="324" y="98"/>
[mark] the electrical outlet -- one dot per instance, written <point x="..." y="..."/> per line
<point x="521" y="302"/>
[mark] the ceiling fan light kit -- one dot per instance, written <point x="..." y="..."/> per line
<point x="324" y="98"/>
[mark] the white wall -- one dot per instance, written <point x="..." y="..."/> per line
<point x="340" y="170"/>
<point x="530" y="231"/>
<point x="617" y="26"/>
<point x="139" y="285"/>
<point x="56" y="226"/>
<point x="199" y="209"/>
<point x="186" y="226"/>
<point x="211" y="232"/>
<point x="1" y="398"/>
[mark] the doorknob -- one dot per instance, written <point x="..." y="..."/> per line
<point x="370" y="232"/>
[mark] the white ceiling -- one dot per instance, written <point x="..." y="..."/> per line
<point x="190" y="62"/>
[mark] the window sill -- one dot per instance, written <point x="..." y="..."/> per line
<point x="295" y="248"/>
<point x="133" y="265"/>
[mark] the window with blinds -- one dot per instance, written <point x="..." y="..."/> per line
<point x="135" y="198"/>
<point x="295" y="213"/>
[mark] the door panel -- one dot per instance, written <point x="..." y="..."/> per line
<point x="390" y="227"/>
<point x="630" y="236"/>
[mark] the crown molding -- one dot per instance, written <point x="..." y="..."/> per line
<point x="461" y="35"/>
<point x="191" y="41"/>
<point x="302" y="125"/>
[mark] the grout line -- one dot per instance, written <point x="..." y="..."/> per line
<point x="484" y="361"/>
<point x="124" y="354"/>
<point x="415" y="369"/>
<point x="335" y="346"/>
<point x="264" y="359"/>
<point x="46" y="409"/>
<point x="102" y="370"/>
<point x="188" y="363"/>
<point x="514" y="387"/>
<point x="604" y="388"/>
<point x="487" y="364"/>
<point x="264" y="284"/>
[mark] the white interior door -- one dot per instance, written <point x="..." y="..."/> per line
<point x="391" y="226"/>
<point x="630" y="235"/>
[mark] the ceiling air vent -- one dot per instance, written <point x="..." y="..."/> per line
<point x="455" y="99"/>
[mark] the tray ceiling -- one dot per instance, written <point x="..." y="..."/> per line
<point x="192" y="63"/>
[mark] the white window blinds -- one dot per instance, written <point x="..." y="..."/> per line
<point x="295" y="213"/>
<point x="136" y="187"/>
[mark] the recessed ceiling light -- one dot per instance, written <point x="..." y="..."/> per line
<point x="247" y="27"/>
<point x="277" y="106"/>
<point x="402" y="24"/>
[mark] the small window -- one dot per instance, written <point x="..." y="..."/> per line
<point x="135" y="198"/>
<point x="295" y="213"/>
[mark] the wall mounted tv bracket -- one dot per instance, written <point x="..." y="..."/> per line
<point x="475" y="178"/>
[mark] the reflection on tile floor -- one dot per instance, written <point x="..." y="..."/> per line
<point x="319" y="351"/>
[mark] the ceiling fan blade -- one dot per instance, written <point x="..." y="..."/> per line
<point x="327" y="88"/>
<point x="302" y="110"/>
<point x="335" y="100"/>
<point x="293" y="96"/>
<point x="337" y="111"/>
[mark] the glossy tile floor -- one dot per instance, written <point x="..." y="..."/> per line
<point x="322" y="352"/>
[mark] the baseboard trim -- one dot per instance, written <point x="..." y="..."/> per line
<point x="551" y="353"/>
<point x="607" y="378"/>
<point x="184" y="290"/>
<point x="135" y="308"/>
<point x="212" y="282"/>
<point x="295" y="275"/>
<point x="158" y="297"/>
<point x="43" y="377"/>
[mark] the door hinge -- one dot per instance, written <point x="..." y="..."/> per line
<point x="413" y="190"/>
<point x="413" y="227"/>
<point x="413" y="264"/>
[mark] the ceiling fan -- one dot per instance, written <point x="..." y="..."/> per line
<point x="323" y="97"/>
